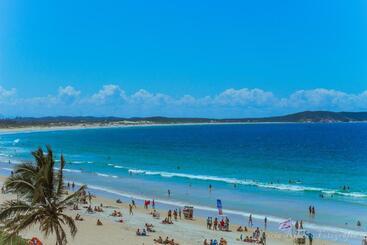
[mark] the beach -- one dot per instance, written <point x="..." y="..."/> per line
<point x="142" y="162"/>
<point x="113" y="232"/>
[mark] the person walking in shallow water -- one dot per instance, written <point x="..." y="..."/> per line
<point x="169" y="192"/>
<point x="250" y="220"/>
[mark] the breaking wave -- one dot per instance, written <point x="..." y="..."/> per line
<point x="277" y="186"/>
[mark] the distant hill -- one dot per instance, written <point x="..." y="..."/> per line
<point x="301" y="117"/>
<point x="316" y="116"/>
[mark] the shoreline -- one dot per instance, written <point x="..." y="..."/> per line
<point x="183" y="231"/>
<point x="31" y="129"/>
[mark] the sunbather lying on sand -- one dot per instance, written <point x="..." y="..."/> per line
<point x="99" y="222"/>
<point x="155" y="214"/>
<point x="78" y="217"/>
<point x="141" y="233"/>
<point x="167" y="221"/>
<point x="222" y="241"/>
<point x="166" y="241"/>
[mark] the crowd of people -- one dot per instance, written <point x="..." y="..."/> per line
<point x="166" y="241"/>
<point x="222" y="225"/>
<point x="222" y="241"/>
<point x="258" y="236"/>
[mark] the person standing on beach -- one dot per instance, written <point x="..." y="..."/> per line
<point x="264" y="238"/>
<point x="73" y="185"/>
<point x="209" y="223"/>
<point x="364" y="241"/>
<point x="90" y="197"/>
<point x="169" y="215"/>
<point x="310" y="210"/>
<point x="153" y="204"/>
<point x="250" y="220"/>
<point x="131" y="209"/>
<point x="179" y="213"/>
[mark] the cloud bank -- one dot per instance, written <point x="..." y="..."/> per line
<point x="112" y="100"/>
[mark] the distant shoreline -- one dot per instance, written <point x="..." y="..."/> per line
<point x="44" y="128"/>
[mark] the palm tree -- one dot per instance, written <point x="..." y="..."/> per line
<point x="42" y="198"/>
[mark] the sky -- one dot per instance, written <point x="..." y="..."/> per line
<point x="182" y="58"/>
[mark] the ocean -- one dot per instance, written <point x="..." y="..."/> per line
<point x="268" y="170"/>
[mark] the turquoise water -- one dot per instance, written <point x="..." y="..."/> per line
<point x="273" y="170"/>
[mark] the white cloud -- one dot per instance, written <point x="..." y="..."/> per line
<point x="244" y="97"/>
<point x="112" y="100"/>
<point x="4" y="93"/>
<point x="108" y="93"/>
<point x="68" y="91"/>
<point x="326" y="99"/>
<point x="144" y="97"/>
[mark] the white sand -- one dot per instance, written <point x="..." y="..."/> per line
<point x="112" y="232"/>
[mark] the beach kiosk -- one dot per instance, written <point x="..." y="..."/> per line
<point x="188" y="212"/>
<point x="300" y="237"/>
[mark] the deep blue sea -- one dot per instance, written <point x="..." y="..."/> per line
<point x="273" y="170"/>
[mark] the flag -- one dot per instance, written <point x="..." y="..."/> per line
<point x="219" y="206"/>
<point x="285" y="225"/>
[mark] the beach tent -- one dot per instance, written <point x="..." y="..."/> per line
<point x="188" y="212"/>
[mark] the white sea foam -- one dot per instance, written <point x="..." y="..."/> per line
<point x="106" y="175"/>
<point x="16" y="141"/>
<point x="8" y="169"/>
<point x="103" y="175"/>
<point x="118" y="166"/>
<point x="347" y="194"/>
<point x="277" y="186"/>
<point x="77" y="162"/>
<point x="71" y="170"/>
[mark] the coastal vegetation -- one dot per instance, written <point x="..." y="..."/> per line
<point x="65" y="121"/>
<point x="41" y="199"/>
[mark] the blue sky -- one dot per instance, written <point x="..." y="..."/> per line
<point x="182" y="58"/>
